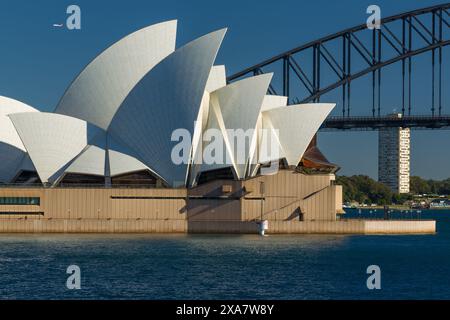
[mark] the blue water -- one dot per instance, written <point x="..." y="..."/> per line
<point x="227" y="267"/>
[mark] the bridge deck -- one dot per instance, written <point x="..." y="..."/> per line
<point x="375" y="123"/>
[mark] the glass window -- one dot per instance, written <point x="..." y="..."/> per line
<point x="21" y="201"/>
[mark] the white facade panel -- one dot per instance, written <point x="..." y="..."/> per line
<point x="166" y="99"/>
<point x="8" y="133"/>
<point x="52" y="140"/>
<point x="238" y="107"/>
<point x="197" y="140"/>
<point x="296" y="126"/>
<point x="213" y="138"/>
<point x="266" y="154"/>
<point x="217" y="78"/>
<point x="122" y="160"/>
<point x="97" y="92"/>
<point x="121" y="163"/>
<point x="12" y="150"/>
<point x="91" y="161"/>
<point x="272" y="102"/>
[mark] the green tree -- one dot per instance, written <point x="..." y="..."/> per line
<point x="364" y="189"/>
<point x="419" y="185"/>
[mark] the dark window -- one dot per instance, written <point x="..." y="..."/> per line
<point x="139" y="178"/>
<point x="20" y="201"/>
<point x="218" y="174"/>
<point x="73" y="179"/>
<point x="27" y="177"/>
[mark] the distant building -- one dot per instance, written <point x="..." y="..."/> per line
<point x="394" y="157"/>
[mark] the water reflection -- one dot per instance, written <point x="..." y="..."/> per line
<point x="227" y="266"/>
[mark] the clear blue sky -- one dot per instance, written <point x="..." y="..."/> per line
<point x="38" y="61"/>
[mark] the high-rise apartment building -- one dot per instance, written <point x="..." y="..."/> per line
<point x="394" y="158"/>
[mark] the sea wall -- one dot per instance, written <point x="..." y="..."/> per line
<point x="291" y="202"/>
<point x="351" y="226"/>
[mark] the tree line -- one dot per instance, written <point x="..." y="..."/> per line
<point x="363" y="189"/>
<point x="422" y="186"/>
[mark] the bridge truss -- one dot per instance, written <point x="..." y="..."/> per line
<point x="399" y="39"/>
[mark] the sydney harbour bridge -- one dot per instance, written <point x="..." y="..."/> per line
<point x="336" y="63"/>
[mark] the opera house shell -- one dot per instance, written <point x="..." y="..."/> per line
<point x="116" y="126"/>
<point x="118" y="115"/>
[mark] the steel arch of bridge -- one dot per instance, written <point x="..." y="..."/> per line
<point x="414" y="24"/>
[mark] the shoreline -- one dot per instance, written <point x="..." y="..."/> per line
<point x="398" y="208"/>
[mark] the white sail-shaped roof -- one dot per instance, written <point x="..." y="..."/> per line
<point x="237" y="107"/>
<point x="296" y="125"/>
<point x="12" y="150"/>
<point x="121" y="163"/>
<point x="166" y="99"/>
<point x="217" y="78"/>
<point x="273" y="101"/>
<point x="121" y="113"/>
<point x="105" y="157"/>
<point x="266" y="155"/>
<point x="213" y="141"/>
<point x="52" y="140"/>
<point x="8" y="133"/>
<point x="97" y="92"/>
<point x="91" y="161"/>
<point x="122" y="160"/>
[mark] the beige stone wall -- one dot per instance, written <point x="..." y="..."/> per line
<point x="214" y="210"/>
<point x="45" y="225"/>
<point x="18" y="192"/>
<point x="399" y="226"/>
<point x="182" y="226"/>
<point x="287" y="183"/>
<point x="90" y="203"/>
<point x="209" y="202"/>
<point x="210" y="207"/>
<point x="288" y="193"/>
<point x="323" y="205"/>
<point x="353" y="226"/>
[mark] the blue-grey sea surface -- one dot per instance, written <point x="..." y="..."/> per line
<point x="33" y="266"/>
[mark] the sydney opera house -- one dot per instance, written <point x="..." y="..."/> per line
<point x="124" y="149"/>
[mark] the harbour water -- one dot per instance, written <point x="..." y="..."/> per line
<point x="228" y="266"/>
